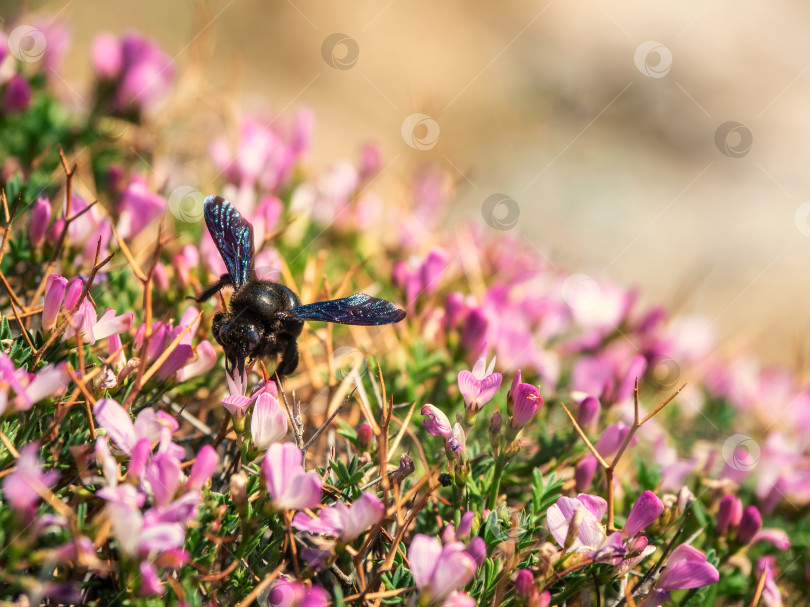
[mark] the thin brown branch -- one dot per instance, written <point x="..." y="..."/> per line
<point x="582" y="435"/>
<point x="9" y="220"/>
<point x="760" y="588"/>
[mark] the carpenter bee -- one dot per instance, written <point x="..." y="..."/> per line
<point x="265" y="317"/>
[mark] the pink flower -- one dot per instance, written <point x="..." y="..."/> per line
<point x="204" y="359"/>
<point x="750" y="524"/>
<point x="22" y="487"/>
<point x="29" y="388"/>
<point x="729" y="513"/>
<point x="436" y="422"/>
<point x="138" y="207"/>
<point x="162" y="478"/>
<point x="439" y="571"/>
<point x="86" y="322"/>
<point x="54" y="295"/>
<point x="644" y="513"/>
<point x="346" y="522"/>
<point x="204" y="465"/>
<point x="18" y="94"/>
<point x="150" y="582"/>
<point x="105" y="55"/>
<point x="686" y="568"/>
<point x="145" y="76"/>
<point x="527" y="401"/>
<point x="591" y="536"/>
<point x="302" y="131"/>
<point x="118" y="424"/>
<point x="771" y="595"/>
<point x="40" y="218"/>
<point x="268" y="423"/>
<point x="479" y="386"/>
<point x="288" y="485"/>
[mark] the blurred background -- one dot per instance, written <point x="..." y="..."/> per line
<point x="654" y="145"/>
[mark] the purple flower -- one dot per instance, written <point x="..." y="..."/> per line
<point x="644" y="513"/>
<point x="365" y="436"/>
<point x="40" y="218"/>
<point x="146" y="73"/>
<point x="612" y="439"/>
<point x="125" y="433"/>
<point x="438" y="571"/>
<point x="584" y="472"/>
<point x="162" y="478"/>
<point x="302" y="131"/>
<point x="17" y="95"/>
<point x="22" y="487"/>
<point x="479" y="386"/>
<point x="477" y="549"/>
<point x="750" y="524"/>
<point x="204" y="465"/>
<point x="686" y="568"/>
<point x="204" y="359"/>
<point x="345" y="522"/>
<point x="150" y="582"/>
<point x="524" y="584"/>
<point x="777" y="537"/>
<point x="591" y="536"/>
<point x="73" y="292"/>
<point x="105" y="55"/>
<point x="268" y="423"/>
<point x="138" y="207"/>
<point x="436" y="422"/>
<point x="729" y="513"/>
<point x="465" y="525"/>
<point x="289" y="486"/>
<point x="527" y="401"/>
<point x="771" y="595"/>
<point x="29" y="388"/>
<point x="588" y="411"/>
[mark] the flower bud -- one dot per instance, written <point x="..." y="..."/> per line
<point x="527" y="402"/>
<point x="524" y="585"/>
<point x="238" y="489"/>
<point x="204" y="465"/>
<point x="584" y="473"/>
<point x="40" y="218"/>
<point x="750" y="524"/>
<point x="729" y="513"/>
<point x="73" y="292"/>
<point x="54" y="295"/>
<point x="436" y="422"/>
<point x="364" y="437"/>
<point x="588" y="411"/>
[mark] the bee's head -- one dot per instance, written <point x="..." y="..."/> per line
<point x="239" y="336"/>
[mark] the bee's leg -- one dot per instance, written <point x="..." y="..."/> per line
<point x="289" y="359"/>
<point x="224" y="281"/>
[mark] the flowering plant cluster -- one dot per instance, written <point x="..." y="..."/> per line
<point x="523" y="438"/>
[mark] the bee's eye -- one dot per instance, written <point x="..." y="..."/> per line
<point x="252" y="337"/>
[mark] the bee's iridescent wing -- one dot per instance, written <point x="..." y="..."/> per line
<point x="357" y="309"/>
<point x="233" y="236"/>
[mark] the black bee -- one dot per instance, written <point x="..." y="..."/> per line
<point x="265" y="317"/>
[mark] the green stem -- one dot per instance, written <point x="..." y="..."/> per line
<point x="458" y="505"/>
<point x="496" y="483"/>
